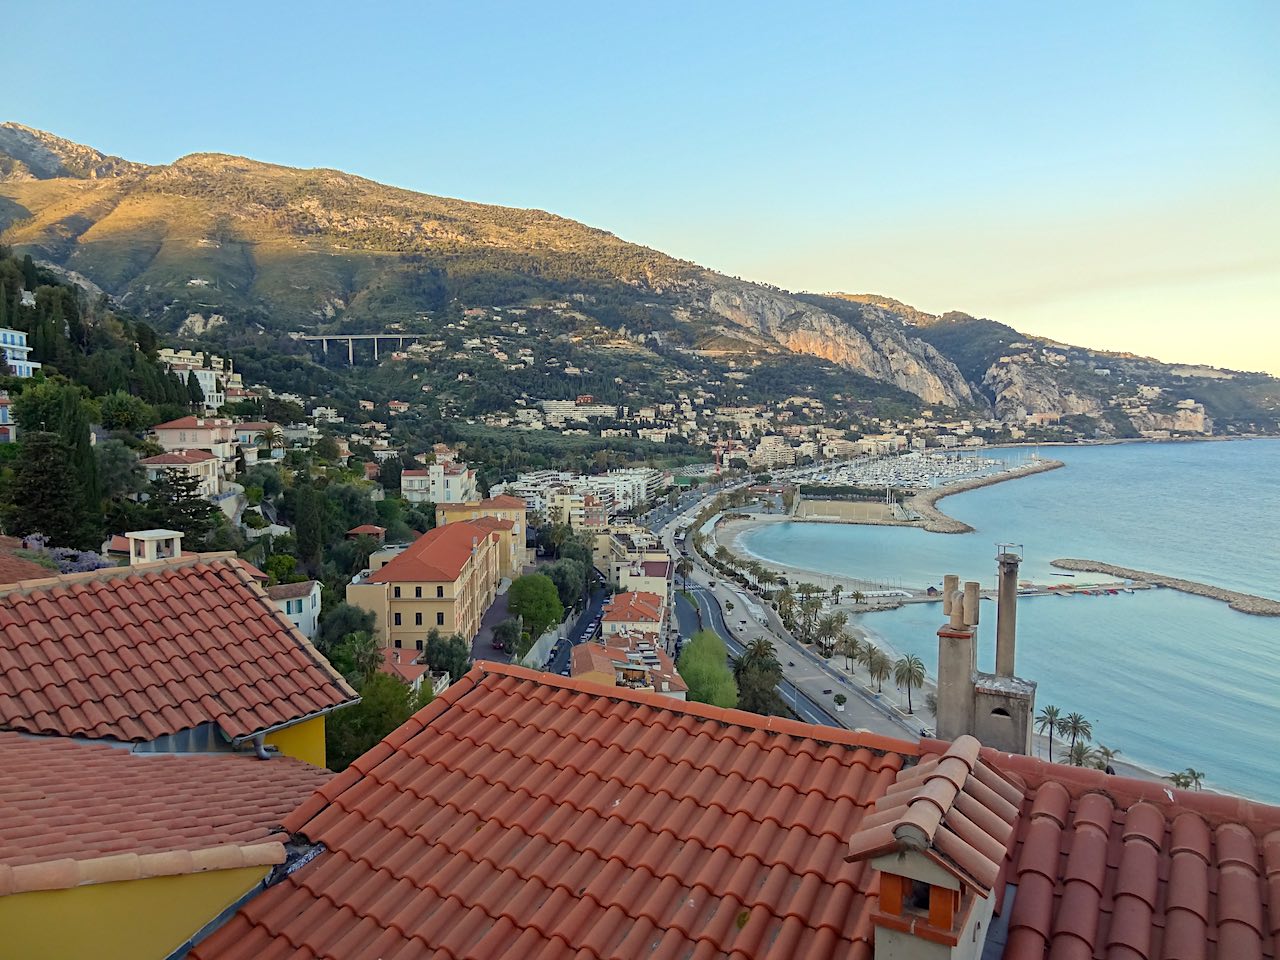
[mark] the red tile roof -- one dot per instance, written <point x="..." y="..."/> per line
<point x="188" y="423"/>
<point x="367" y="528"/>
<point x="1119" y="868"/>
<point x="399" y="663"/>
<point x="520" y="815"/>
<point x="179" y="459"/>
<point x="635" y="606"/>
<point x="292" y="591"/>
<point x="14" y="568"/>
<point x="136" y="653"/>
<point x="954" y="808"/>
<point x="63" y="799"/>
<point x="439" y="554"/>
<point x="504" y="501"/>
<point x="523" y="815"/>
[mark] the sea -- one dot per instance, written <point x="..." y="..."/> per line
<point x="1171" y="680"/>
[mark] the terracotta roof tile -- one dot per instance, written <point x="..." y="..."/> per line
<point x="136" y="653"/>
<point x="70" y="802"/>
<point x="439" y="554"/>
<point x="524" y="815"/>
<point x="14" y="568"/>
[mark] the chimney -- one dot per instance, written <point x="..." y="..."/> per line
<point x="957" y="658"/>
<point x="148" y="546"/>
<point x="1008" y="557"/>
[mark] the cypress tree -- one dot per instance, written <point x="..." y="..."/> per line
<point x="46" y="498"/>
<point x="195" y="396"/>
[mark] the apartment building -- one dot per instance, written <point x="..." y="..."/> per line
<point x="633" y="661"/>
<point x="201" y="464"/>
<point x="445" y="580"/>
<point x="14" y="350"/>
<point x="512" y="527"/>
<point x="213" y="434"/>
<point x="439" y="483"/>
<point x="634" y="612"/>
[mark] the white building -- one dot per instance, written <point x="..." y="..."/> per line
<point x="13" y="344"/>
<point x="300" y="602"/>
<point x="439" y="483"/>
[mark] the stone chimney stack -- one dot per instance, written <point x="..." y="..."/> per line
<point x="957" y="658"/>
<point x="1008" y="558"/>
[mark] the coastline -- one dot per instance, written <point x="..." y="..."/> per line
<point x="924" y="503"/>
<point x="1243" y="602"/>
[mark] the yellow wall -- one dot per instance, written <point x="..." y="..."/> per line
<point x="303" y="741"/>
<point x="131" y="920"/>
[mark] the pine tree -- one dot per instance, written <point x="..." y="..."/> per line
<point x="195" y="396"/>
<point x="176" y="504"/>
<point x="45" y="496"/>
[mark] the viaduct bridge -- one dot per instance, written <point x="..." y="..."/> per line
<point x="350" y="340"/>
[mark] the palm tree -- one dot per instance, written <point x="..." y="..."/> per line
<point x="808" y="590"/>
<point x="272" y="438"/>
<point x="723" y="555"/>
<point x="766" y="578"/>
<point x="1050" y="719"/>
<point x="1075" y="726"/>
<point x="851" y="647"/>
<point x="1105" y="756"/>
<point x="857" y="596"/>
<point x="835" y="592"/>
<point x="880" y="667"/>
<point x="909" y="672"/>
<point x="809" y="610"/>
<point x="1082" y="755"/>
<point x="828" y="630"/>
<point x="1179" y="780"/>
<point x="759" y="654"/>
<point x="1195" y="778"/>
<point x="684" y="567"/>
<point x="931" y="703"/>
<point x="786" y="602"/>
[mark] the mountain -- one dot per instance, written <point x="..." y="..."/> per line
<point x="230" y="248"/>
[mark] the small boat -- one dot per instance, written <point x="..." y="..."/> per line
<point x="1064" y="574"/>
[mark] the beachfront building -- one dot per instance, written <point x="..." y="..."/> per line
<point x="445" y="580"/>
<point x="439" y="483"/>
<point x="16" y="353"/>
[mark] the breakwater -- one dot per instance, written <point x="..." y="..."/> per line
<point x="935" y="521"/>
<point x="1244" y="602"/>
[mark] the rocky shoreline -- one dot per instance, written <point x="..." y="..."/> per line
<point x="1244" y="602"/>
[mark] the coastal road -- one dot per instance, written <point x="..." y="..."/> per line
<point x="563" y="650"/>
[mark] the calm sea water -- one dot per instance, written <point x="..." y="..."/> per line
<point x="1171" y="680"/>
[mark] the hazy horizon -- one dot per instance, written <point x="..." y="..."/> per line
<point x="1098" y="175"/>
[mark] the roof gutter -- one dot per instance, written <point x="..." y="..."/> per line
<point x="266" y="731"/>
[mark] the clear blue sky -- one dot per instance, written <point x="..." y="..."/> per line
<point x="1106" y="173"/>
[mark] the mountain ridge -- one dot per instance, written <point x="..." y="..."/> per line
<point x="215" y="241"/>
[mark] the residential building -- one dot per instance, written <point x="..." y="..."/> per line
<point x="566" y="507"/>
<point x="260" y="437"/>
<point x="634" y="612"/>
<point x="735" y="835"/>
<point x="94" y="838"/>
<point x="300" y="602"/>
<point x="14" y="349"/>
<point x="445" y="581"/>
<point x="369" y="530"/>
<point x="512" y="532"/>
<point x="439" y="483"/>
<point x="183" y="654"/>
<point x="634" y="661"/>
<point x="201" y="464"/>
<point x="647" y="576"/>
<point x="215" y="375"/>
<point x="214" y="434"/>
<point x="8" y="427"/>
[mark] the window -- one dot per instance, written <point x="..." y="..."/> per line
<point x="417" y="619"/>
<point x="397" y="619"/>
<point x="417" y="592"/>
<point x="396" y="592"/>
<point x="440" y="619"/>
<point x="439" y="591"/>
<point x="419" y="644"/>
<point x="315" y="600"/>
<point x="397" y="643"/>
<point x="293" y="606"/>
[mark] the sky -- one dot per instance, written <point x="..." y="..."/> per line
<point x="1107" y="174"/>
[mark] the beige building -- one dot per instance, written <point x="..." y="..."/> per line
<point x="445" y="580"/>
<point x="513" y="514"/>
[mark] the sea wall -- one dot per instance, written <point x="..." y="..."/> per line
<point x="1244" y="602"/>
<point x="935" y="521"/>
